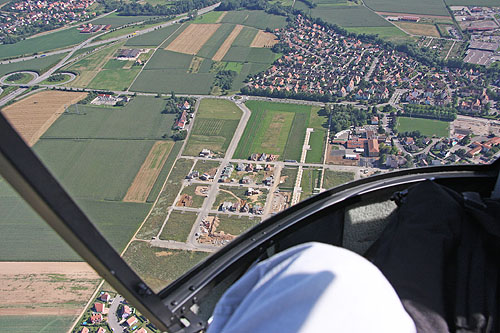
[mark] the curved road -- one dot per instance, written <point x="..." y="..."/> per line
<point x="34" y="74"/>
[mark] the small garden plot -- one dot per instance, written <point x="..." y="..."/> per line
<point x="236" y="225"/>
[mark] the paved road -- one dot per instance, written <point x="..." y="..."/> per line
<point x="113" y="320"/>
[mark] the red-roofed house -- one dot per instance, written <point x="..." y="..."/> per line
<point x="96" y="318"/>
<point x="181" y="122"/>
<point x="142" y="330"/>
<point x="131" y="321"/>
<point x="101" y="330"/>
<point x="126" y="311"/>
<point x="372" y="148"/>
<point x="105" y="297"/>
<point x="84" y="330"/>
<point x="99" y="307"/>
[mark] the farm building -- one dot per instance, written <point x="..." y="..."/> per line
<point x="128" y="54"/>
<point x="181" y="122"/>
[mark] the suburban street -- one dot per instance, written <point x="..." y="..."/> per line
<point x="113" y="320"/>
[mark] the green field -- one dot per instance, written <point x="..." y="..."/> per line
<point x="141" y="118"/>
<point x="427" y="127"/>
<point x="96" y="155"/>
<point x="167" y="80"/>
<point x="349" y="16"/>
<point x="158" y="267"/>
<point x="153" y="38"/>
<point x="215" y="41"/>
<point x="40" y="324"/>
<point x="214" y="126"/>
<point x="255" y="18"/>
<point x="155" y="220"/>
<point x="117" y="79"/>
<point x="390" y="33"/>
<point x="210" y="17"/>
<point x="38" y="65"/>
<point x="163" y="59"/>
<point x="21" y="226"/>
<point x="236" y="225"/>
<point x="169" y="163"/>
<point x="428" y="7"/>
<point x="335" y="178"/>
<point x="310" y="180"/>
<point x="43" y="43"/>
<point x="277" y="128"/>
<point x="178" y="226"/>
<point x="245" y="37"/>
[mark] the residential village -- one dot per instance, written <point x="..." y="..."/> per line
<point x="18" y="16"/>
<point x="110" y="312"/>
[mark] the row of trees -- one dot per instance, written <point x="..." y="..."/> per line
<point x="178" y="7"/>
<point x="429" y="112"/>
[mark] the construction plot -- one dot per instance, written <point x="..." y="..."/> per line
<point x="149" y="171"/>
<point x="221" y="52"/>
<point x="264" y="39"/>
<point x="192" y="39"/>
<point x="32" y="116"/>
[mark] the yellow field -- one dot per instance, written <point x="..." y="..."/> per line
<point x="149" y="171"/>
<point x="32" y="116"/>
<point x="419" y="29"/>
<point x="264" y="39"/>
<point x="192" y="39"/>
<point x="221" y="52"/>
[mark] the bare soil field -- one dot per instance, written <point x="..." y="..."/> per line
<point x="221" y="52"/>
<point x="192" y="39"/>
<point x="419" y="29"/>
<point x="25" y="286"/>
<point x="416" y="15"/>
<point x="32" y="116"/>
<point x="264" y="39"/>
<point x="148" y="173"/>
<point x="476" y="126"/>
<point x="221" y="17"/>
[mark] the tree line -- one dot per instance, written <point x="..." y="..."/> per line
<point x="429" y="112"/>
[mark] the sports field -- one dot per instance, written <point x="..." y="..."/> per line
<point x="428" y="127"/>
<point x="214" y="126"/>
<point x="276" y="128"/>
<point x="55" y="40"/>
<point x="32" y="116"/>
<point x="430" y="7"/>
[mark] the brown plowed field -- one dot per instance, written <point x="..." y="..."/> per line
<point x="221" y="52"/>
<point x="32" y="116"/>
<point x="45" y="288"/>
<point x="192" y="39"/>
<point x="264" y="39"/>
<point x="149" y="171"/>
